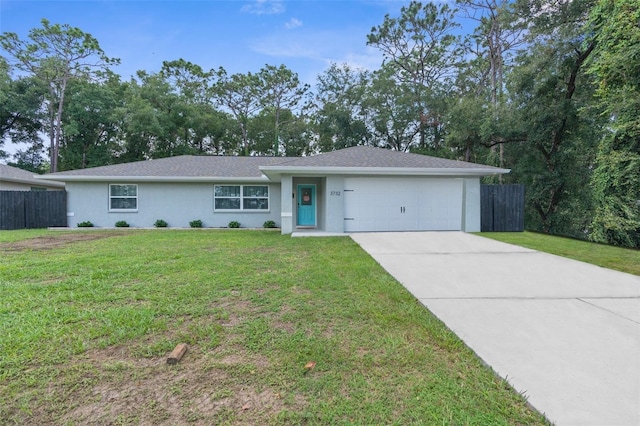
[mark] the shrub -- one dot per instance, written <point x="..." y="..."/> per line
<point x="160" y="224"/>
<point x="269" y="224"/>
<point x="196" y="223"/>
<point x="234" y="224"/>
<point x="122" y="224"/>
<point x="85" y="224"/>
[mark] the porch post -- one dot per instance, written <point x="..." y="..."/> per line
<point x="286" y="204"/>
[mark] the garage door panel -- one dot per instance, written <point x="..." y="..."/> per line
<point x="402" y="204"/>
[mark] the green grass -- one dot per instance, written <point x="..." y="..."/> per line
<point x="618" y="258"/>
<point x="11" y="236"/>
<point x="87" y="327"/>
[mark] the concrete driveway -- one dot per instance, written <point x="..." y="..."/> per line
<point x="565" y="334"/>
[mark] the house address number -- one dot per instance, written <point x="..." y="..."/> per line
<point x="335" y="193"/>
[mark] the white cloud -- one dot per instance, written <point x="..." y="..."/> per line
<point x="318" y="50"/>
<point x="293" y="23"/>
<point x="323" y="45"/>
<point x="264" y="7"/>
<point x="368" y="59"/>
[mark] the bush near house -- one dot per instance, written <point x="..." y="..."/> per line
<point x="196" y="223"/>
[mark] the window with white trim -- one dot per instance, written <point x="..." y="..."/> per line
<point x="241" y="197"/>
<point x="123" y="197"/>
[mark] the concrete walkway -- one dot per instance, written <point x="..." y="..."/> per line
<point x="565" y="334"/>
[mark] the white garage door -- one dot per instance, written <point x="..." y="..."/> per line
<point x="402" y="204"/>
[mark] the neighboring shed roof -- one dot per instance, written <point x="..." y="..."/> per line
<point x="209" y="168"/>
<point x="14" y="174"/>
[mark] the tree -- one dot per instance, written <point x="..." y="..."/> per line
<point x="55" y="55"/>
<point x="549" y="92"/>
<point x="204" y="129"/>
<point x="164" y="119"/>
<point x="616" y="179"/>
<point x="92" y="123"/>
<point x="30" y="159"/>
<point x="474" y="125"/>
<point x="420" y="46"/>
<point x="188" y="80"/>
<point x="297" y="136"/>
<point x="282" y="90"/>
<point x="495" y="36"/>
<point x="341" y="117"/>
<point x="392" y="111"/>
<point x="20" y="114"/>
<point x="294" y="134"/>
<point x="139" y="124"/>
<point x="240" y="94"/>
<point x="616" y="191"/>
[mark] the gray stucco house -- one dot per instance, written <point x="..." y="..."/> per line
<point x="351" y="190"/>
<point x="15" y="179"/>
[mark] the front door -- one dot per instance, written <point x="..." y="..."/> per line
<point x="306" y="205"/>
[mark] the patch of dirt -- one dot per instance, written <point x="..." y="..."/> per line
<point x="238" y="356"/>
<point x="281" y="324"/>
<point x="237" y="312"/>
<point x="208" y="386"/>
<point x="200" y="390"/>
<point x="56" y="240"/>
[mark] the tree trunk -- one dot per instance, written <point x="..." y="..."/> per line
<point x="276" y="142"/>
<point x="58" y="127"/>
<point x="52" y="165"/>
<point x="245" y="140"/>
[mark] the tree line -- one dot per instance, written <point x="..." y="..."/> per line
<point x="550" y="90"/>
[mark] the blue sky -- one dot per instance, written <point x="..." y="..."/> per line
<point x="240" y="35"/>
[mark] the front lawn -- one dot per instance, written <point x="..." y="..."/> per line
<point x="618" y="258"/>
<point x="88" y="319"/>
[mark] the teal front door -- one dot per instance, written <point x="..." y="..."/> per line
<point x="306" y="205"/>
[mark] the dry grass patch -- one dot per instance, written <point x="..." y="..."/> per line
<point x="55" y="240"/>
<point x="200" y="390"/>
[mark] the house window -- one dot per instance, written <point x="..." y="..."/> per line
<point x="226" y="197"/>
<point x="123" y="197"/>
<point x="255" y="197"/>
<point x="241" y="197"/>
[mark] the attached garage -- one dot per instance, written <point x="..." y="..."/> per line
<point x="367" y="189"/>
<point x="402" y="204"/>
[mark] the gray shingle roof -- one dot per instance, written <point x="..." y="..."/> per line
<point x="14" y="174"/>
<point x="203" y="167"/>
<point x="367" y="156"/>
<point x="182" y="166"/>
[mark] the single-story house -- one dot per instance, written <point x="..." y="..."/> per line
<point x="15" y="179"/>
<point x="350" y="190"/>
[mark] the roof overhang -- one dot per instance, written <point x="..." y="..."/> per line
<point x="275" y="172"/>
<point x="35" y="181"/>
<point x="155" y="179"/>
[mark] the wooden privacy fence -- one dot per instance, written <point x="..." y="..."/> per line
<point x="502" y="208"/>
<point x="32" y="209"/>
